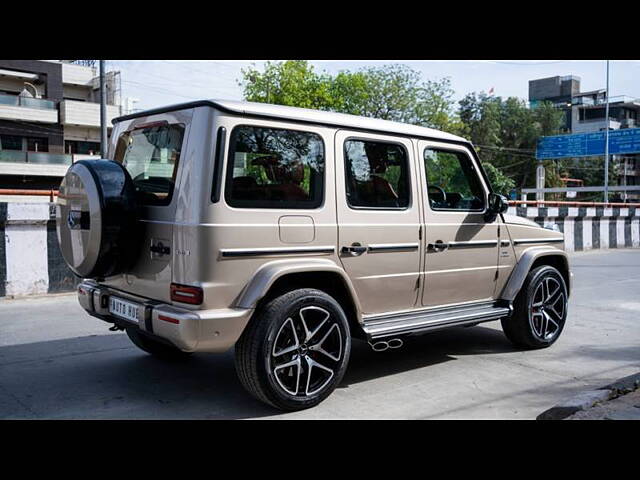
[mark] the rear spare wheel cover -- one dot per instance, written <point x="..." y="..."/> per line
<point x="79" y="219"/>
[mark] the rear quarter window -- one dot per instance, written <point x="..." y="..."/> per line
<point x="151" y="156"/>
<point x="274" y="168"/>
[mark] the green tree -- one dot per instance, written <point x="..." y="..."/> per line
<point x="293" y="83"/>
<point x="501" y="183"/>
<point x="505" y="132"/>
<point x="390" y="92"/>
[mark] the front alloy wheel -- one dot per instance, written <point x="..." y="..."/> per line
<point x="540" y="309"/>
<point x="548" y="307"/>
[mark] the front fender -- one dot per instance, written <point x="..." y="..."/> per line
<point x="268" y="273"/>
<point x="520" y="272"/>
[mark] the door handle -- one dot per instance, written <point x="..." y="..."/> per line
<point x="355" y="249"/>
<point x="438" y="246"/>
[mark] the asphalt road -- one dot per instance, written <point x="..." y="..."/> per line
<point x="56" y="362"/>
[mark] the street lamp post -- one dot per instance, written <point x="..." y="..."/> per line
<point x="606" y="143"/>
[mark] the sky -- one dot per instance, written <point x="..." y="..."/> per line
<point x="157" y="83"/>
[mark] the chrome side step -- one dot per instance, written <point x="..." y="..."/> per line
<point x="428" y="320"/>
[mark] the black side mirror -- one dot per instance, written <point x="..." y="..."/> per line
<point x="496" y="204"/>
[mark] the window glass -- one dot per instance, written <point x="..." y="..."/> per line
<point x="36" y="144"/>
<point x="452" y="181"/>
<point x="274" y="168"/>
<point x="151" y="157"/>
<point x="10" y="142"/>
<point x="377" y="174"/>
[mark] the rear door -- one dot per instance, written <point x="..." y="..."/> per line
<point x="461" y="246"/>
<point x="152" y="150"/>
<point x="378" y="219"/>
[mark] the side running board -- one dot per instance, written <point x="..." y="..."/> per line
<point x="428" y="320"/>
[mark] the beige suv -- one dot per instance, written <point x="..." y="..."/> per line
<point x="287" y="232"/>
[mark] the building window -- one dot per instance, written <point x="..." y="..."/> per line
<point x="377" y="174"/>
<point x="10" y="142"/>
<point x="72" y="147"/>
<point x="37" y="144"/>
<point x="274" y="168"/>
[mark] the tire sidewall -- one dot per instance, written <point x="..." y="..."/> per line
<point x="274" y="316"/>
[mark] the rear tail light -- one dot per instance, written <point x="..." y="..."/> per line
<point x="186" y="294"/>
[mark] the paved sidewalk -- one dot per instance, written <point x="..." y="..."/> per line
<point x="626" y="407"/>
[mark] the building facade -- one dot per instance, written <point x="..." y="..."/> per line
<point x="585" y="112"/>
<point x="49" y="117"/>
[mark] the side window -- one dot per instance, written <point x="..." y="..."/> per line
<point x="274" y="168"/>
<point x="377" y="174"/>
<point x="452" y="181"/>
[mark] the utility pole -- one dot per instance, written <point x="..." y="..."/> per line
<point x="606" y="143"/>
<point x="103" y="113"/>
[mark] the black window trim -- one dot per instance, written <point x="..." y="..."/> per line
<point x="169" y="199"/>
<point x="218" y="170"/>
<point x="409" y="174"/>
<point x="480" y="171"/>
<point x="228" y="175"/>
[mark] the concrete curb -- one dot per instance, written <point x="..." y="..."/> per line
<point x="589" y="398"/>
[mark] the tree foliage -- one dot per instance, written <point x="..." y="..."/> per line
<point x="390" y="92"/>
<point x="504" y="131"/>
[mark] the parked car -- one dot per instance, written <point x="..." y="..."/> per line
<point x="287" y="232"/>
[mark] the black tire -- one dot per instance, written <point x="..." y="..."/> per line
<point x="533" y="326"/>
<point x="274" y="329"/>
<point x="155" y="347"/>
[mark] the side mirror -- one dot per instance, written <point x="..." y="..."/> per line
<point x="496" y="204"/>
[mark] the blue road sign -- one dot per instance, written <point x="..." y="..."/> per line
<point x="626" y="140"/>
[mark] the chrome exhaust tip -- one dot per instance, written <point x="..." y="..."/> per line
<point x="382" y="345"/>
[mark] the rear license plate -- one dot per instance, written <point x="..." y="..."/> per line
<point x="123" y="309"/>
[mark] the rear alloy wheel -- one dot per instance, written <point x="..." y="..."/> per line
<point x="295" y="350"/>
<point x="540" y="309"/>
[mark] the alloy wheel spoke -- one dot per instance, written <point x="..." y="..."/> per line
<point x="291" y="348"/>
<point x="311" y="364"/>
<point x="549" y="293"/>
<point x="549" y="318"/>
<point x="538" y="293"/>
<point x="318" y="346"/>
<point x="295" y="362"/>
<point x="309" y="334"/>
<point x="538" y="329"/>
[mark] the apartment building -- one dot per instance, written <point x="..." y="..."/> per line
<point x="49" y="117"/>
<point x="585" y="112"/>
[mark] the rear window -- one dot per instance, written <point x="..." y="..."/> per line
<point x="151" y="156"/>
<point x="274" y="168"/>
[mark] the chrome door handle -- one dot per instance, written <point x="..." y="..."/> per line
<point x="354" y="250"/>
<point x="438" y="246"/>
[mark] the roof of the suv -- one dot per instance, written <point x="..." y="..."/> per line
<point x="305" y="115"/>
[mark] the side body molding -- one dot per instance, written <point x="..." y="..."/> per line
<point x="268" y="273"/>
<point x="520" y="272"/>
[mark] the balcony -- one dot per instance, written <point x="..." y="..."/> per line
<point x="85" y="114"/>
<point x="17" y="162"/>
<point x="13" y="107"/>
<point x="594" y="125"/>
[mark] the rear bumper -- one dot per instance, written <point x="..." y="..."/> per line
<point x="189" y="330"/>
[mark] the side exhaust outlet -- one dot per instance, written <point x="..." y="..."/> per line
<point x="383" y="345"/>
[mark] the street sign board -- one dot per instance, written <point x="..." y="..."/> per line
<point x="623" y="141"/>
